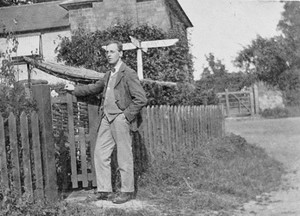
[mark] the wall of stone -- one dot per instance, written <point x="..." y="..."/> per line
<point x="269" y="97"/>
<point x="111" y="12"/>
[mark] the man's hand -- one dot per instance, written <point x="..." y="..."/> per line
<point x="69" y="87"/>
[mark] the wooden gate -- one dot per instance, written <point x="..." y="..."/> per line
<point x="80" y="120"/>
<point x="162" y="130"/>
<point x="241" y="103"/>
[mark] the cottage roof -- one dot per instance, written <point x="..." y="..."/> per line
<point x="174" y="4"/>
<point x="33" y="17"/>
<point x="177" y="7"/>
<point x="52" y="15"/>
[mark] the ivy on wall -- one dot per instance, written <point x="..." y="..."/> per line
<point x="173" y="64"/>
<point x="165" y="64"/>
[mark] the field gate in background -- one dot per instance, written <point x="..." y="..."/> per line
<point x="239" y="103"/>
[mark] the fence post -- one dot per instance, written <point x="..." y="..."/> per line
<point x="252" y="103"/>
<point x="255" y="93"/>
<point x="41" y="93"/>
<point x="227" y="101"/>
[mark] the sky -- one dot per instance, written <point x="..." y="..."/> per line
<point x="225" y="27"/>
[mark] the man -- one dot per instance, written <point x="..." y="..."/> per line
<point x="122" y="99"/>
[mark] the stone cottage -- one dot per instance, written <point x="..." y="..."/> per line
<point x="39" y="26"/>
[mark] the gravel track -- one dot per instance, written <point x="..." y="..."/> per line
<point x="281" y="140"/>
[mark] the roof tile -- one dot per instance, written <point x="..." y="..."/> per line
<point x="33" y="17"/>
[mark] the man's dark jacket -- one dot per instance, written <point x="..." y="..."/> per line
<point x="129" y="94"/>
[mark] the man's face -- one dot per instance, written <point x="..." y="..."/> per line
<point x="113" y="54"/>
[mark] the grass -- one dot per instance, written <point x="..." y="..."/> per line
<point x="217" y="176"/>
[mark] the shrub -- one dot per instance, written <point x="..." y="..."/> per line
<point x="13" y="205"/>
<point x="277" y="112"/>
<point x="166" y="64"/>
<point x="294" y="111"/>
<point x="173" y="64"/>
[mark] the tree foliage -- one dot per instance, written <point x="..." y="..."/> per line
<point x="13" y="97"/>
<point x="290" y="21"/>
<point x="276" y="60"/>
<point x="164" y="64"/>
<point x="216" y="78"/>
<point x="265" y="58"/>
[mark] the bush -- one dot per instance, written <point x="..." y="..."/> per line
<point x="292" y="97"/>
<point x="294" y="111"/>
<point x="180" y="94"/>
<point x="13" y="205"/>
<point x="165" y="64"/>
<point x="277" y="112"/>
<point x="173" y="64"/>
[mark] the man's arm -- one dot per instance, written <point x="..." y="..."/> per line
<point x="138" y="96"/>
<point x="89" y="89"/>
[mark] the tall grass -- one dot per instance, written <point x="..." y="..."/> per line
<point x="218" y="176"/>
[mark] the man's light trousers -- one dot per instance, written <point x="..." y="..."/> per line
<point x="110" y="134"/>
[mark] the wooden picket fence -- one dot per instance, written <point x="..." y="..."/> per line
<point x="27" y="161"/>
<point x="168" y="129"/>
<point x="21" y="157"/>
<point x="161" y="130"/>
<point x="27" y="151"/>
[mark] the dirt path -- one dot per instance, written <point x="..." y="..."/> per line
<point x="281" y="139"/>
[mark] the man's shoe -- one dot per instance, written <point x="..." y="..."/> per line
<point x="105" y="196"/>
<point x="122" y="198"/>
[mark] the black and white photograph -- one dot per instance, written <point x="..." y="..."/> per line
<point x="150" y="107"/>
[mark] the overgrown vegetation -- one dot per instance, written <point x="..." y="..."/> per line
<point x="276" y="60"/>
<point x="173" y="64"/>
<point x="218" y="175"/>
<point x="165" y="64"/>
<point x="217" y="78"/>
<point x="13" y="205"/>
<point x="13" y="97"/>
<point x="280" y="112"/>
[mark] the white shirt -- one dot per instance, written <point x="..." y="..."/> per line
<point x="117" y="67"/>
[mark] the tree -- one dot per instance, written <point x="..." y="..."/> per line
<point x="216" y="78"/>
<point x="276" y="60"/>
<point x="290" y="27"/>
<point x="290" y="21"/>
<point x="266" y="58"/>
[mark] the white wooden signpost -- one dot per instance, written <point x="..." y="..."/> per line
<point x="144" y="46"/>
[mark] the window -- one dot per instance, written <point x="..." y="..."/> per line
<point x="29" y="45"/>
